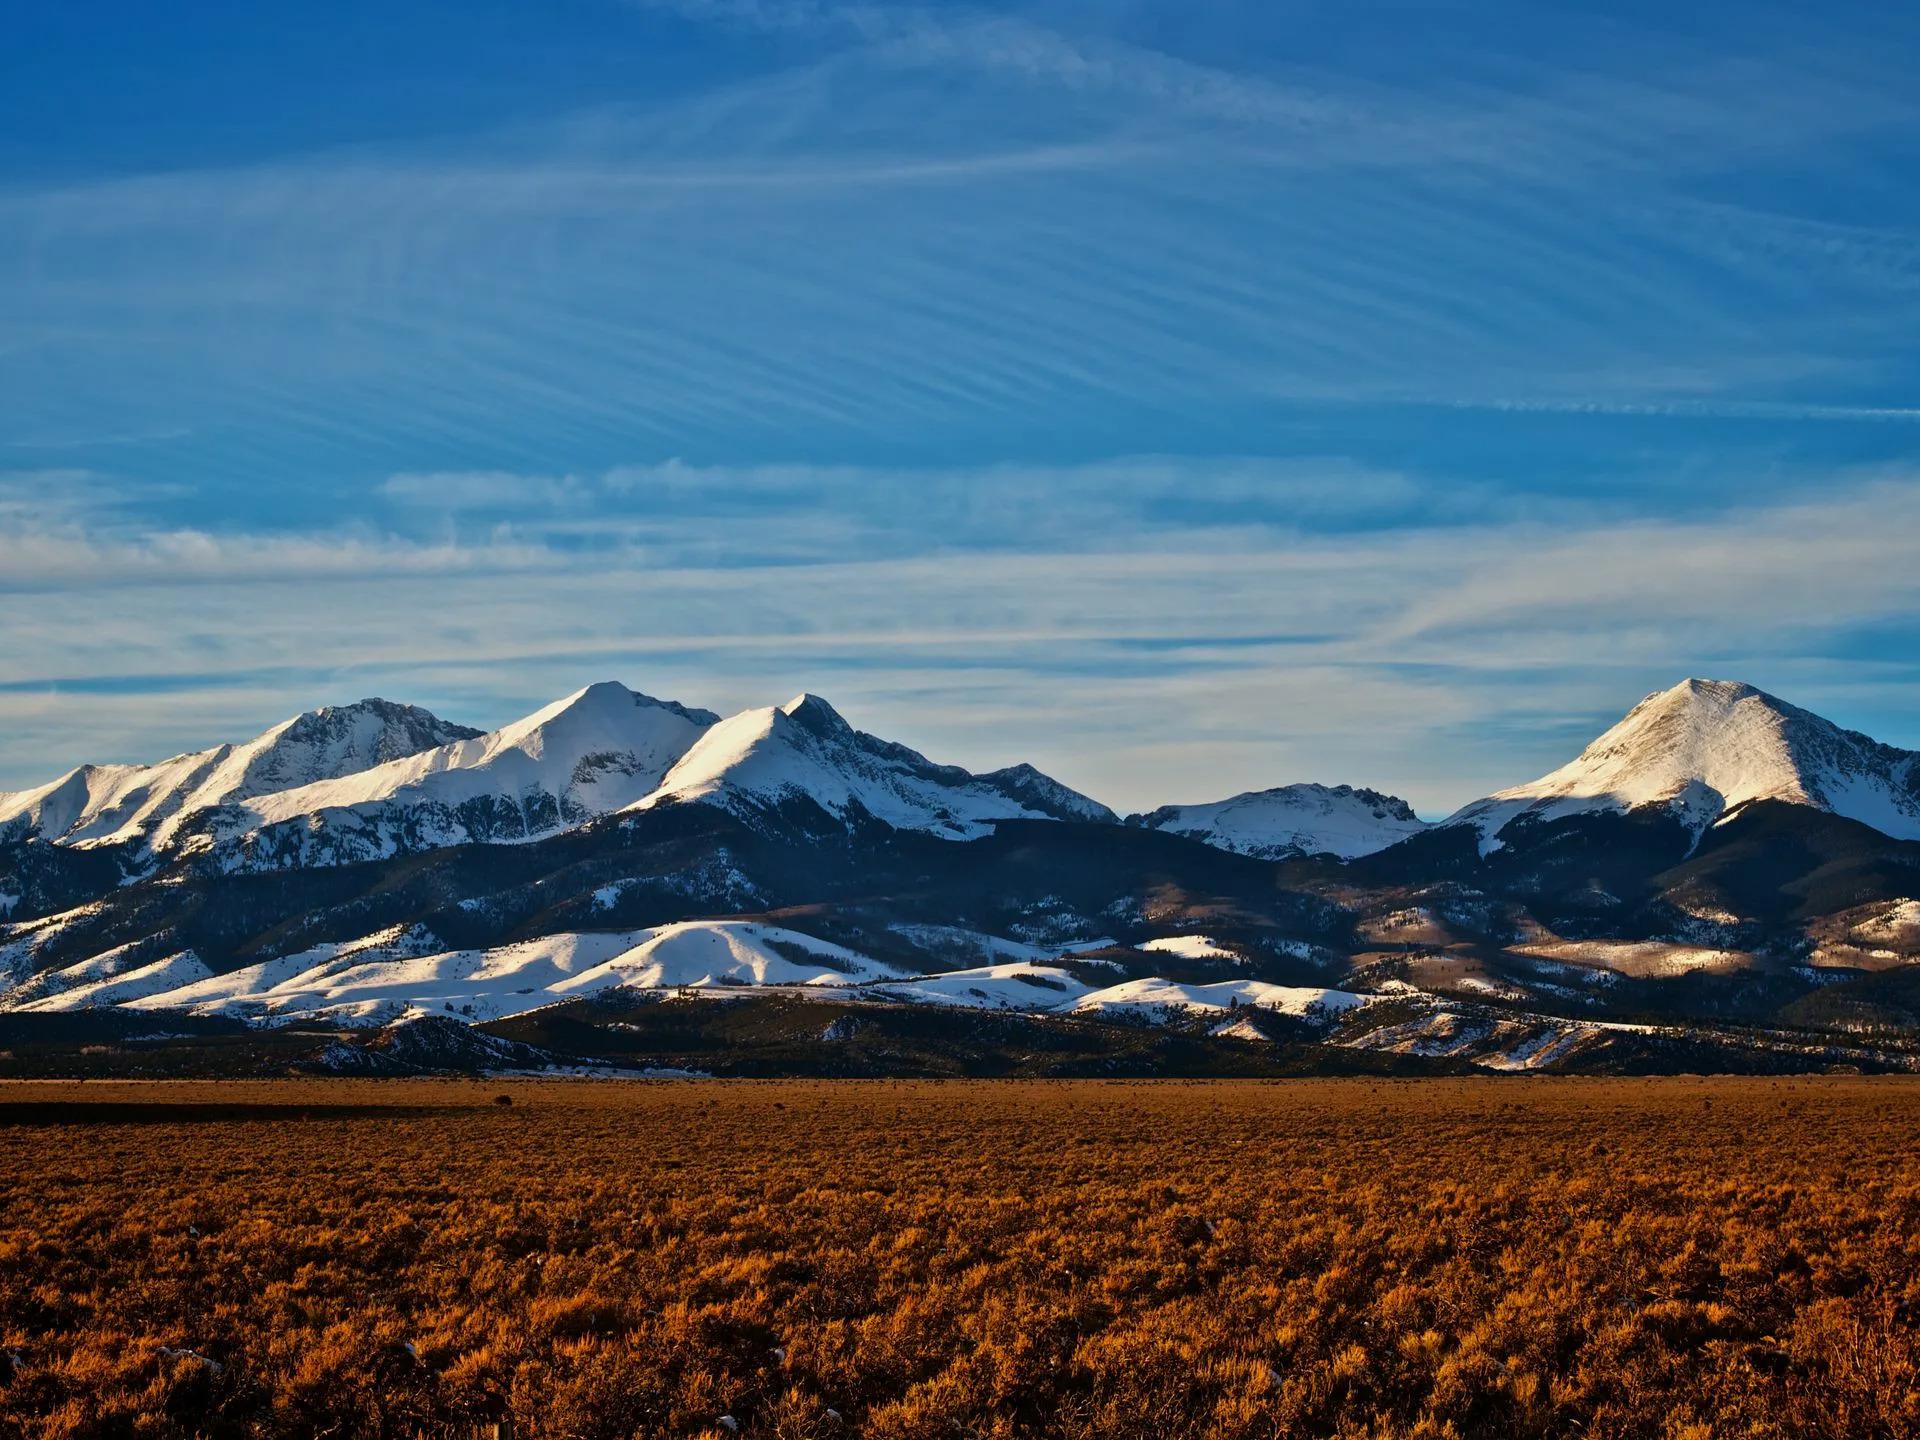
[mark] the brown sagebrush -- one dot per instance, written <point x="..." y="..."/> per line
<point x="816" y="1259"/>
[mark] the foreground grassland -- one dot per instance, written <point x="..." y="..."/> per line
<point x="1354" y="1258"/>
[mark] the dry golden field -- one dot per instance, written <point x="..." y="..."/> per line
<point x="1355" y="1258"/>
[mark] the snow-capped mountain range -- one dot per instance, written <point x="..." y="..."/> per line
<point x="612" y="851"/>
<point x="376" y="779"/>
<point x="596" y="751"/>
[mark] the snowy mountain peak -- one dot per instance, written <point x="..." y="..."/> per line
<point x="1706" y="748"/>
<point x="373" y="780"/>
<point x="587" y="754"/>
<point x="103" y="804"/>
<point x="606" y="707"/>
<point x="804" y="751"/>
<point x="340" y="739"/>
<point x="1043" y="793"/>
<point x="1293" y="820"/>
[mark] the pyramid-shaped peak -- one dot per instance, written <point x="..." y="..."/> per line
<point x="605" y="702"/>
<point x="603" y="695"/>
<point x="1705" y="749"/>
<point x="153" y="803"/>
<point x="813" y="713"/>
<point x="1700" y="719"/>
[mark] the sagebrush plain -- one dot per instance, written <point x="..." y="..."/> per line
<point x="1360" y="1258"/>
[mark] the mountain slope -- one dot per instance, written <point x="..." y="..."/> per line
<point x="1703" y="750"/>
<point x="586" y="755"/>
<point x="760" y="762"/>
<point x="1291" y="821"/>
<point x="107" y="804"/>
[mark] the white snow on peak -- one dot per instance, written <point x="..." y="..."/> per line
<point x="593" y="752"/>
<point x="104" y="804"/>
<point x="1293" y="820"/>
<point x="760" y="760"/>
<point x="1706" y="748"/>
<point x="1244" y="1028"/>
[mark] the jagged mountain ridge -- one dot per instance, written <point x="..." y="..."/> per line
<point x="781" y="853"/>
<point x="586" y="755"/>
<point x="601" y="750"/>
<point x="109" y="804"/>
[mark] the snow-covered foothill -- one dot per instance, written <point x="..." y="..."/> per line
<point x="1189" y="947"/>
<point x="1155" y="998"/>
<point x="700" y="954"/>
<point x="381" y="978"/>
<point x="1011" y="985"/>
<point x="153" y="978"/>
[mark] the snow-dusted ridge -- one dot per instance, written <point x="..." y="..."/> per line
<point x="1707" y="748"/>
<point x="1152" y="998"/>
<point x="1293" y="820"/>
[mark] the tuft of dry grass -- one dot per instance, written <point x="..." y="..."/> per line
<point x="1676" y="1258"/>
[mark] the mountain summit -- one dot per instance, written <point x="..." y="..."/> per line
<point x="1707" y="748"/>
<point x="585" y="755"/>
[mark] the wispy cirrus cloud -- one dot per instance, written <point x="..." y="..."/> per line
<point x="1228" y="655"/>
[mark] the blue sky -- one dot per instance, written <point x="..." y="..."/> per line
<point x="1184" y="398"/>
